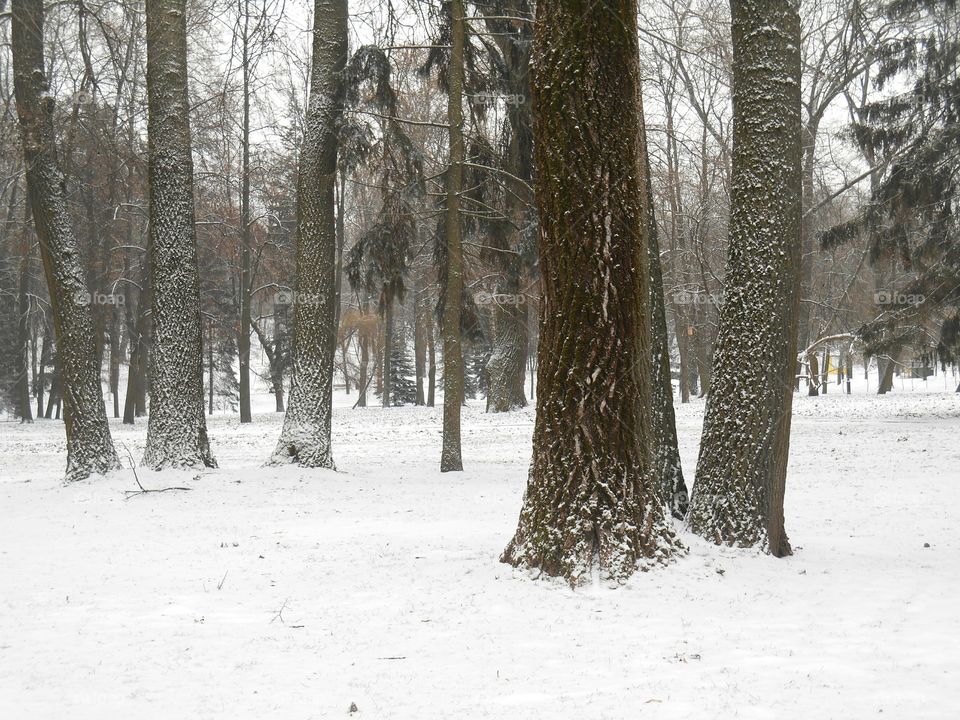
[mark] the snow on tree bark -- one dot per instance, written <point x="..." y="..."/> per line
<point x="89" y="445"/>
<point x="450" y="457"/>
<point x="176" y="426"/>
<point x="738" y="494"/>
<point x="592" y="502"/>
<point x="305" y="438"/>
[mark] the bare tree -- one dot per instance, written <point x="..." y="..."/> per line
<point x="89" y="445"/>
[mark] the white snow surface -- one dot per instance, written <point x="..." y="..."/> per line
<point x="276" y="592"/>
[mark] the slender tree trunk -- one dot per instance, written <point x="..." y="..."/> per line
<point x="666" y="452"/>
<point x="176" y="428"/>
<point x="450" y="455"/>
<point x="243" y="335"/>
<point x="24" y="408"/>
<point x="738" y="496"/>
<point x="592" y="503"/>
<point x="419" y="334"/>
<point x="813" y="375"/>
<point x="89" y="445"/>
<point x="387" y="359"/>
<point x="305" y="438"/>
<point x="432" y="364"/>
<point x="115" y="353"/>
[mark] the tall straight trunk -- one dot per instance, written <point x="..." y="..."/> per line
<point x="115" y="352"/>
<point x="24" y="408"/>
<point x="431" y="363"/>
<point x="813" y="375"/>
<point x="176" y="427"/>
<point x="450" y="455"/>
<point x="89" y="445"/>
<point x="592" y="502"/>
<point x="305" y="438"/>
<point x="41" y="370"/>
<point x="665" y="448"/>
<point x="419" y="334"/>
<point x="387" y="358"/>
<point x="243" y="335"/>
<point x="738" y="495"/>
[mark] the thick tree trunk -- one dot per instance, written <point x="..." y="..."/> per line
<point x="89" y="445"/>
<point x="738" y="496"/>
<point x="176" y="427"/>
<point x="592" y="501"/>
<point x="305" y="438"/>
<point x="450" y="456"/>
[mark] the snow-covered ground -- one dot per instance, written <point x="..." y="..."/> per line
<point x="283" y="593"/>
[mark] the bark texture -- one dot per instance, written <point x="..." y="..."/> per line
<point x="450" y="457"/>
<point x="738" y="496"/>
<point x="592" y="503"/>
<point x="89" y="445"/>
<point x="176" y="427"/>
<point x="305" y="438"/>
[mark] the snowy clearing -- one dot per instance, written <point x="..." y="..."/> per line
<point x="279" y="592"/>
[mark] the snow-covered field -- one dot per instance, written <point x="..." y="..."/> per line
<point x="282" y="593"/>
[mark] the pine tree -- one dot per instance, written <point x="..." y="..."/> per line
<point x="913" y="217"/>
<point x="403" y="387"/>
<point x="738" y="495"/>
<point x="592" y="501"/>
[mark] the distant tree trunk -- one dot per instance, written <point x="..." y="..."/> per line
<point x="89" y="445"/>
<point x="849" y="372"/>
<point x="738" y="495"/>
<point x="419" y="335"/>
<point x="24" y="409"/>
<point x="886" y="365"/>
<point x="176" y="428"/>
<point x="432" y="364"/>
<point x="591" y="502"/>
<point x="813" y="375"/>
<point x="508" y="361"/>
<point x="666" y="452"/>
<point x="305" y="438"/>
<point x="243" y="335"/>
<point x="387" y="371"/>
<point x="825" y="372"/>
<point x="115" y="359"/>
<point x="41" y="370"/>
<point x="450" y="455"/>
<point x="364" y="342"/>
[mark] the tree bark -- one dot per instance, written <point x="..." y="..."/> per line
<point x="89" y="445"/>
<point x="176" y="427"/>
<point x="243" y="334"/>
<point x="305" y="438"/>
<point x="450" y="456"/>
<point x="738" y="495"/>
<point x="592" y="502"/>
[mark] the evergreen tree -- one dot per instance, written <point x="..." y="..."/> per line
<point x="403" y="387"/>
<point x="913" y="217"/>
